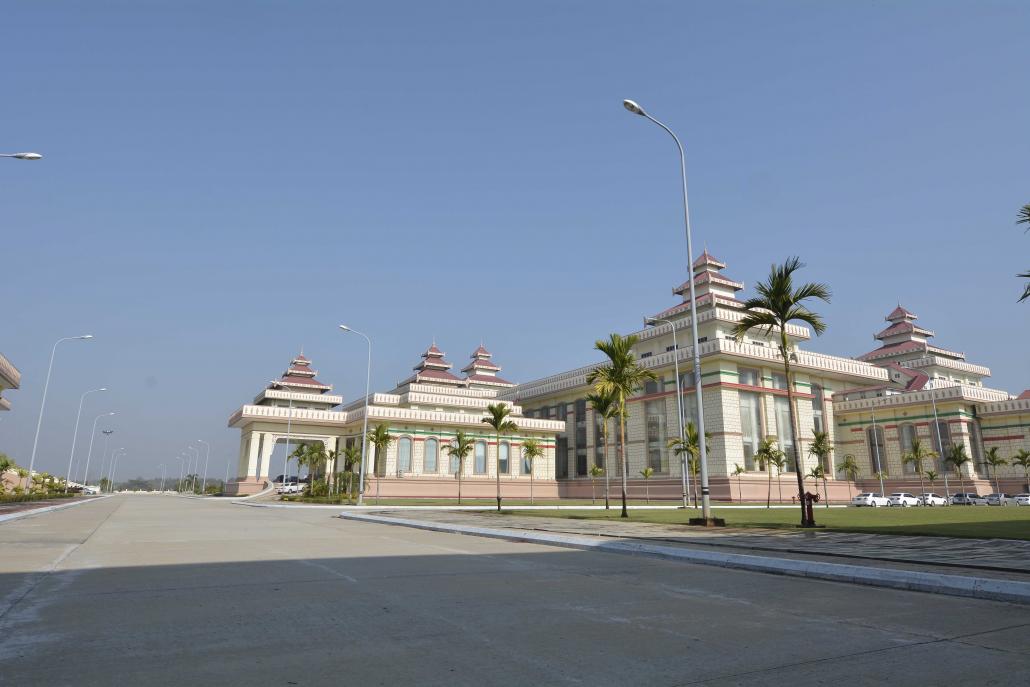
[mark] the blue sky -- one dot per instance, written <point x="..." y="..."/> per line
<point x="225" y="182"/>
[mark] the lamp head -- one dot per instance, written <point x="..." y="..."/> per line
<point x="85" y="336"/>
<point x="650" y="321"/>
<point x="28" y="156"/>
<point x="633" y="107"/>
<point x="103" y="388"/>
<point x="345" y="328"/>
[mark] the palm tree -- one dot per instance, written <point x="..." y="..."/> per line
<point x="531" y="450"/>
<point x="821" y="448"/>
<point x="646" y="474"/>
<point x="995" y="461"/>
<point x="620" y="378"/>
<point x="1022" y="459"/>
<point x="605" y="406"/>
<point x="692" y="448"/>
<point x="1024" y="218"/>
<point x="460" y="447"/>
<point x="818" y="473"/>
<point x="931" y="475"/>
<point x="850" y="469"/>
<point x="957" y="457"/>
<point x="595" y="472"/>
<point x="380" y="439"/>
<point x="737" y="472"/>
<point x="777" y="305"/>
<point x="765" y="457"/>
<point x="498" y="419"/>
<point x="351" y="458"/>
<point x="779" y="459"/>
<point x="916" y="455"/>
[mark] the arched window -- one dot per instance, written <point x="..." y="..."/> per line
<point x="877" y="449"/>
<point x="526" y="465"/>
<point x="431" y="461"/>
<point x="480" y="466"/>
<point x="455" y="461"/>
<point x="503" y="456"/>
<point x="404" y="455"/>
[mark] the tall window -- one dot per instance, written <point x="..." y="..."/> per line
<point x="783" y="433"/>
<point x="432" y="459"/>
<point x="976" y="441"/>
<point x="877" y="449"/>
<point x="480" y="465"/>
<point x="907" y="435"/>
<point x="748" y="376"/>
<point x="502" y="458"/>
<point x="455" y="464"/>
<point x="598" y="439"/>
<point x="750" y="426"/>
<point x="818" y="423"/>
<point x="527" y="466"/>
<point x="561" y="457"/>
<point x="654" y="412"/>
<point x="404" y="455"/>
<point x="945" y="444"/>
<point x="779" y="381"/>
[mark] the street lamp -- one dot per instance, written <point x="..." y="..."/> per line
<point x="706" y="510"/>
<point x="103" y="459"/>
<point x="75" y="435"/>
<point x="162" y="466"/>
<point x="23" y="156"/>
<point x="46" y="385"/>
<point x="178" y="485"/>
<point x="653" y="321"/>
<point x="364" y="426"/>
<point x="92" y="436"/>
<point x="110" y="472"/>
<point x="207" y="459"/>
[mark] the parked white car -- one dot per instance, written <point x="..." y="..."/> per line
<point x="998" y="499"/>
<point x="968" y="499"/>
<point x="933" y="500"/>
<point x="901" y="498"/>
<point x="870" y="499"/>
<point x="1022" y="499"/>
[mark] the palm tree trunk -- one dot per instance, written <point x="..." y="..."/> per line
<point x="459" y="482"/>
<point x="919" y="468"/>
<point x="531" y="502"/>
<point x="647" y="491"/>
<point x="625" y="463"/>
<point x="740" y="490"/>
<point x="779" y="487"/>
<point x="826" y="491"/>
<point x="768" y="493"/>
<point x="607" y="486"/>
<point x="593" y="491"/>
<point x="793" y="429"/>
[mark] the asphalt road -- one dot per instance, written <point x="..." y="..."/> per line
<point x="159" y="590"/>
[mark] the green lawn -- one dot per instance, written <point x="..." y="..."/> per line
<point x="1008" y="522"/>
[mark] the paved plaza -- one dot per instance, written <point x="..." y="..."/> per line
<point x="164" y="590"/>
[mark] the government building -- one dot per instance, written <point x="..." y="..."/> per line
<point x="872" y="406"/>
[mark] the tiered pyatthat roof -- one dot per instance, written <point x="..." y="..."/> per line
<point x="434" y="369"/>
<point x="300" y="377"/>
<point x="711" y="287"/>
<point x="483" y="371"/>
<point x="903" y="337"/>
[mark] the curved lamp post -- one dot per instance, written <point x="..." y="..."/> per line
<point x="207" y="459"/>
<point x="364" y="426"/>
<point x="92" y="436"/>
<point x="110" y="471"/>
<point x="706" y="506"/>
<point x="75" y="435"/>
<point x="46" y="385"/>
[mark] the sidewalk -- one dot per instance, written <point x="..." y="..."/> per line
<point x="994" y="569"/>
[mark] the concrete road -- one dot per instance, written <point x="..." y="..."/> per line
<point x="160" y="590"/>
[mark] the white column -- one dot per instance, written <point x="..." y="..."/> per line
<point x="266" y="454"/>
<point x="253" y="448"/>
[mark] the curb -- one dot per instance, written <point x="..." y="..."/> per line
<point x="892" y="578"/>
<point x="371" y="508"/>
<point x="48" y="509"/>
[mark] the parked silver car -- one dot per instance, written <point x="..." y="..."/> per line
<point x="998" y="499"/>
<point x="870" y="499"/>
<point x="968" y="499"/>
<point x="1022" y="499"/>
<point x="901" y="498"/>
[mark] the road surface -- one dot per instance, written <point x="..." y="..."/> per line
<point x="161" y="590"/>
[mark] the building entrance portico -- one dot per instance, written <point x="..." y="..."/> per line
<point x="295" y="409"/>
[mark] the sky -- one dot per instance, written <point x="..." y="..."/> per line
<point x="224" y="183"/>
